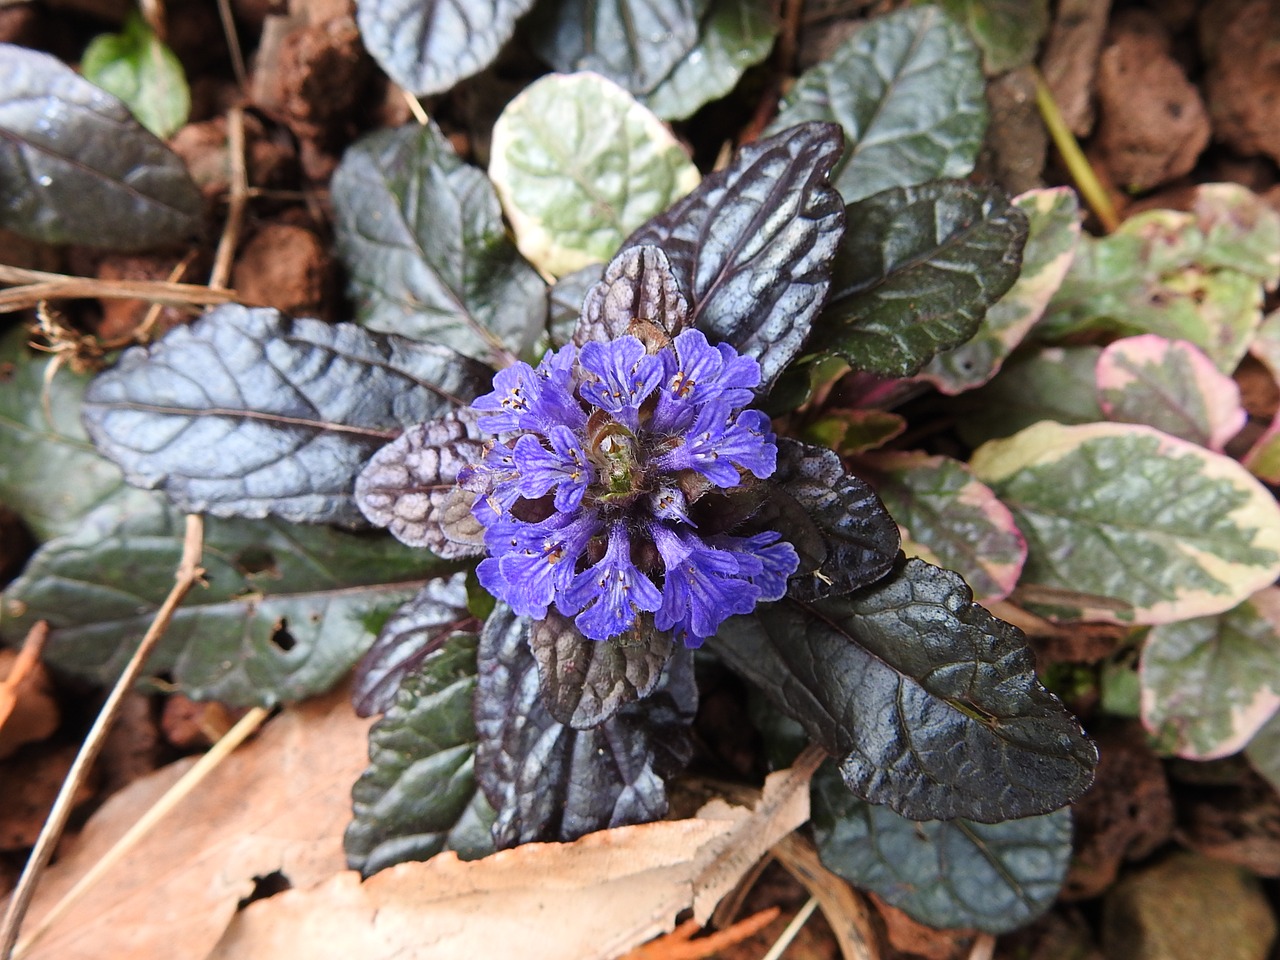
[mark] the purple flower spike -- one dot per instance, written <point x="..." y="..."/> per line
<point x="613" y="591"/>
<point x="626" y="442"/>
<point x="624" y="375"/>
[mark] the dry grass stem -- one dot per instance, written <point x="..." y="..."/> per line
<point x="846" y="911"/>
<point x="793" y="928"/>
<point x="186" y="577"/>
<point x="237" y="202"/>
<point x="37" y="285"/>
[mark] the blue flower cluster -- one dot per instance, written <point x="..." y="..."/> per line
<point x="586" y="493"/>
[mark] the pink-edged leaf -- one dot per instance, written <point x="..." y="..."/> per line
<point x="1209" y="684"/>
<point x="956" y="518"/>
<point x="1171" y="385"/>
<point x="1053" y="231"/>
<point x="1263" y="458"/>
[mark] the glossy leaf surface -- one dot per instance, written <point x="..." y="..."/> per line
<point x="930" y="704"/>
<point x="245" y="413"/>
<point x="548" y="781"/>
<point x="428" y="47"/>
<point x="917" y="270"/>
<point x="948" y="874"/>
<point x="76" y="167"/>
<point x="750" y="248"/>
<point x="429" y="621"/>
<point x="909" y="92"/>
<point x="419" y="794"/>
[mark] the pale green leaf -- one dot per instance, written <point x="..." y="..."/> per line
<point x="957" y="519"/>
<point x="579" y="165"/>
<point x="1008" y="31"/>
<point x="1210" y="683"/>
<point x="1170" y="385"/>
<point x="1140" y="526"/>
<point x="135" y="66"/>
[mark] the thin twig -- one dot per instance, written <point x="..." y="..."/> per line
<point x="237" y="203"/>
<point x="846" y="911"/>
<point x="416" y="108"/>
<point x="38" y="285"/>
<point x="250" y="722"/>
<point x="1077" y="164"/>
<point x="26" y="661"/>
<point x="188" y="574"/>
<point x="793" y="928"/>
<point x="233" y="43"/>
<point x="143" y="332"/>
<point x="984" y="947"/>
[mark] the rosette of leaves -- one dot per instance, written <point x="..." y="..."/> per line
<point x="564" y="720"/>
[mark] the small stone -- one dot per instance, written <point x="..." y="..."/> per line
<point x="1187" y="907"/>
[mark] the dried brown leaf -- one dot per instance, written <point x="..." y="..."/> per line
<point x="594" y="898"/>
<point x="278" y="804"/>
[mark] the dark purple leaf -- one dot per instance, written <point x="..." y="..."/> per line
<point x="751" y="247"/>
<point x="76" y="167"/>
<point x="585" y="682"/>
<point x="246" y="413"/>
<point x="419" y="794"/>
<point x="638" y="285"/>
<point x="930" y="703"/>
<point x="548" y="781"/>
<point x="409" y="486"/>
<point x="424" y="624"/>
<point x="859" y="538"/>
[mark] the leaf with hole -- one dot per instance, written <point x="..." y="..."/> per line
<point x="634" y="43"/>
<point x="1155" y="528"/>
<point x="1210" y="683"/>
<point x="139" y="69"/>
<point x="579" y="164"/>
<point x="287" y="611"/>
<point x="917" y="270"/>
<point x="751" y="247"/>
<point x="948" y="874"/>
<point x="909" y="92"/>
<point x="245" y="413"/>
<point x="1170" y="385"/>
<point x="427" y="255"/>
<point x="548" y="781"/>
<point x="956" y="519"/>
<point x="428" y="47"/>
<point x="76" y="167"/>
<point x="429" y="621"/>
<point x="1053" y="230"/>
<point x="419" y="795"/>
<point x="732" y="36"/>
<point x="930" y="704"/>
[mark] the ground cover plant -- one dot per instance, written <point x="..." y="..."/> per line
<point x="626" y="462"/>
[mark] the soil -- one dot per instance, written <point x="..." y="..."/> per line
<point x="1163" y="96"/>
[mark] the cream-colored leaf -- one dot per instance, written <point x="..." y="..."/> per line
<point x="280" y="803"/>
<point x="594" y="898"/>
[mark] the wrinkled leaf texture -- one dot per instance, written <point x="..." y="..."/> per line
<point x="637" y="285"/>
<point x="585" y="682"/>
<point x="916" y="272"/>
<point x="419" y="794"/>
<point x="76" y="167"/>
<point x="427" y="255"/>
<point x="426" y="46"/>
<point x="548" y="781"/>
<point x="944" y="873"/>
<point x="246" y="413"/>
<point x="930" y="703"/>
<point x="751" y="246"/>
<point x="288" y="610"/>
<point x="635" y="43"/>
<point x="423" y="625"/>
<point x="859" y="537"/>
<point x="909" y="92"/>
